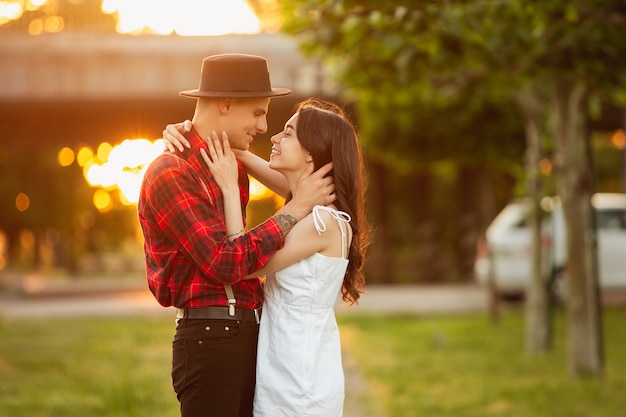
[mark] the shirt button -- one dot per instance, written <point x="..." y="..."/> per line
<point x="227" y="328"/>
<point x="199" y="342"/>
<point x="207" y="328"/>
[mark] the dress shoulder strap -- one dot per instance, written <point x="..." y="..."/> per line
<point x="341" y="217"/>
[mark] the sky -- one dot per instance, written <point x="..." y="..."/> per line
<point x="183" y="17"/>
<point x="163" y="17"/>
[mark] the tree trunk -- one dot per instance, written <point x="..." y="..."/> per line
<point x="486" y="207"/>
<point x="538" y="321"/>
<point x="380" y="268"/>
<point x="467" y="211"/>
<point x="424" y="238"/>
<point x="574" y="181"/>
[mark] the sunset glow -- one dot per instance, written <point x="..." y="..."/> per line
<point x="119" y="169"/>
<point x="183" y="17"/>
<point x="158" y="17"/>
<point x="9" y="10"/>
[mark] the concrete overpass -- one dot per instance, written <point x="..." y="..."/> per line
<point x="87" y="87"/>
<point x="97" y="66"/>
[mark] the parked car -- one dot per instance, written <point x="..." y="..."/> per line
<point x="507" y="253"/>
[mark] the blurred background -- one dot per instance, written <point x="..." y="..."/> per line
<point x="462" y="107"/>
<point x="87" y="86"/>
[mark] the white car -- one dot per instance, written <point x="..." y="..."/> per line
<point x="507" y="253"/>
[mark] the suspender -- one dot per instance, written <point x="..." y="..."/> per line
<point x="231" y="299"/>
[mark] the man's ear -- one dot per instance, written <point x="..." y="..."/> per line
<point x="224" y="105"/>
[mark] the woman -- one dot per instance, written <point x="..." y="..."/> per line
<point x="299" y="370"/>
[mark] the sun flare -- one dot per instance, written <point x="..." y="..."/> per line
<point x="119" y="169"/>
<point x="157" y="17"/>
<point x="183" y="17"/>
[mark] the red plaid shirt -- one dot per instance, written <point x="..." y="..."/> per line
<point x="188" y="257"/>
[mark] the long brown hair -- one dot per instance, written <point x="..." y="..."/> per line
<point x="325" y="131"/>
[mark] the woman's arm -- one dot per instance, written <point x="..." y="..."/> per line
<point x="259" y="169"/>
<point x="304" y="240"/>
<point x="301" y="242"/>
<point x="223" y="167"/>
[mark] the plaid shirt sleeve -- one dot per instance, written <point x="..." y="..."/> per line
<point x="187" y="252"/>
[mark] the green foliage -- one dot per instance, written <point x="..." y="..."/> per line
<point x="436" y="82"/>
<point x="426" y="73"/>
<point x="465" y="366"/>
<point x="421" y="97"/>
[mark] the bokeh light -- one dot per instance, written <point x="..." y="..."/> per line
<point x="104" y="149"/>
<point x="84" y="156"/>
<point x="119" y="169"/>
<point x="3" y="250"/>
<point x="27" y="239"/>
<point x="102" y="201"/>
<point x="22" y="202"/>
<point x="618" y="139"/>
<point x="65" y="157"/>
<point x="546" y="166"/>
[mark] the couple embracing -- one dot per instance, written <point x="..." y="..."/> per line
<point x="255" y="328"/>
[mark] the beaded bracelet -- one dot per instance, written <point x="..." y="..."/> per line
<point x="235" y="234"/>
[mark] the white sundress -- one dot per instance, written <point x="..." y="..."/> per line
<point x="299" y="368"/>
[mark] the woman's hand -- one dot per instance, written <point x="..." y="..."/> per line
<point x="224" y="168"/>
<point x="173" y="136"/>
<point x="222" y="163"/>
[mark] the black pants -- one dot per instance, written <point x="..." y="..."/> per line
<point x="214" y="367"/>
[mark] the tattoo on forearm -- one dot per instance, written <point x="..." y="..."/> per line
<point x="285" y="221"/>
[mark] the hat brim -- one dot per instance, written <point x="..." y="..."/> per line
<point x="236" y="94"/>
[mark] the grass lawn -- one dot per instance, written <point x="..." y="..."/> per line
<point x="86" y="367"/>
<point x="415" y="366"/>
<point x="465" y="366"/>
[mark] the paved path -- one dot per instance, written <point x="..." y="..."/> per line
<point x="113" y="299"/>
<point x="35" y="299"/>
<point x="419" y="299"/>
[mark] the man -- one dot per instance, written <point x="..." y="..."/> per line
<point x="193" y="265"/>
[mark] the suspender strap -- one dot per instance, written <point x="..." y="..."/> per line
<point x="231" y="299"/>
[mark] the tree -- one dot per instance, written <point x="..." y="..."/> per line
<point x="395" y="55"/>
<point x="565" y="54"/>
<point x="418" y="126"/>
<point x="538" y="297"/>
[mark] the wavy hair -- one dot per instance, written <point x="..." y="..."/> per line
<point x="325" y="131"/>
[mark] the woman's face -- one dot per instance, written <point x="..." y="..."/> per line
<point x="288" y="155"/>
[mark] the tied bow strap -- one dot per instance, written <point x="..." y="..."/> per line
<point x="320" y="226"/>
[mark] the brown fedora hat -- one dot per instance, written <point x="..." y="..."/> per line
<point x="235" y="75"/>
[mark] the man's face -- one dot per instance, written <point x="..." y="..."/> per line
<point x="246" y="118"/>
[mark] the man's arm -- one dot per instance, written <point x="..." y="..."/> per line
<point x="194" y="223"/>
<point x="313" y="188"/>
